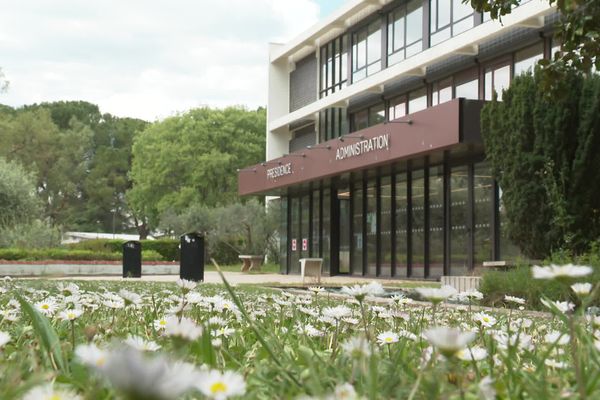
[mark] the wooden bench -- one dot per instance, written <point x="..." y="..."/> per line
<point x="311" y="267"/>
<point x="251" y="263"/>
<point x="461" y="283"/>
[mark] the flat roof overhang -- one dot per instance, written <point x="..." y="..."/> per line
<point x="432" y="130"/>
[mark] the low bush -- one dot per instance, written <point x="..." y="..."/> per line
<point x="519" y="282"/>
<point x="15" y="254"/>
<point x="167" y="248"/>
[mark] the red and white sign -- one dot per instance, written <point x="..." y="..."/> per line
<point x="304" y="244"/>
<point x="294" y="245"/>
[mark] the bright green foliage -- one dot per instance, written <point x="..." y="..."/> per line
<point x="192" y="159"/>
<point x="18" y="201"/>
<point x="578" y="30"/>
<point x="80" y="158"/>
<point x="34" y="234"/>
<point x="544" y="152"/>
<point x="167" y="248"/>
<point x="28" y="254"/>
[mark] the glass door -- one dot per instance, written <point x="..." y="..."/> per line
<point x="344" y="230"/>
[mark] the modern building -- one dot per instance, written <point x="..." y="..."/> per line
<point x="374" y="149"/>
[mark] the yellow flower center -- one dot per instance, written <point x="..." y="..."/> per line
<point x="388" y="339"/>
<point x="45" y="306"/>
<point x="55" y="397"/>
<point x="100" y="362"/>
<point x="486" y="319"/>
<point x="218" y="387"/>
<point x="162" y="322"/>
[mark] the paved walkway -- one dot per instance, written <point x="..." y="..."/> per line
<point x="241" y="278"/>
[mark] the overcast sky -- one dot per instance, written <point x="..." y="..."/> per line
<point x="146" y="58"/>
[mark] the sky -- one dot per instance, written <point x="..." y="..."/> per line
<point x="146" y="59"/>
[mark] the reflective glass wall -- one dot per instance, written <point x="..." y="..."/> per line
<point x="421" y="222"/>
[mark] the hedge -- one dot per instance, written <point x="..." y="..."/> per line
<point x="167" y="248"/>
<point x="16" y="254"/>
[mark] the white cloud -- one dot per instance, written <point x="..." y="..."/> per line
<point x="141" y="58"/>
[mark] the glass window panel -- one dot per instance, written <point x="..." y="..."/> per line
<point x="418" y="224"/>
<point x="461" y="26"/>
<point x="344" y="230"/>
<point x="361" y="120"/>
<point x="440" y="36"/>
<point x="414" y="21"/>
<point x="526" y="59"/>
<point x="376" y="114"/>
<point x="488" y="85"/>
<point x="283" y="232"/>
<point x="508" y="250"/>
<point x="442" y="92"/>
<point x="372" y="227"/>
<point x="483" y="193"/>
<point x="417" y="100"/>
<point x="443" y="13"/>
<point x="326" y="242"/>
<point x="373" y="68"/>
<point x="468" y="90"/>
<point x="316" y="233"/>
<point x="304" y="232"/>
<point x="461" y="10"/>
<point x="414" y="48"/>
<point x="398" y="38"/>
<point x="295" y="236"/>
<point x="401" y="225"/>
<point x="396" y="58"/>
<point x="356" y="257"/>
<point x="501" y="80"/>
<point x="436" y="221"/>
<point x="386" y="227"/>
<point x="459" y="233"/>
<point x="374" y="43"/>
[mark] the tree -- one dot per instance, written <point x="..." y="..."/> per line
<point x="545" y="154"/>
<point x="58" y="159"/>
<point x="192" y="159"/>
<point x="3" y="82"/>
<point x="578" y="31"/>
<point x="18" y="200"/>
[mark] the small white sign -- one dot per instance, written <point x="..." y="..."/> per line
<point x="294" y="245"/>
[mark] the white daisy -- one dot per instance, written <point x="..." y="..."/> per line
<point x="448" y="340"/>
<point x="472" y="354"/>
<point x="484" y="319"/>
<point x="141" y="344"/>
<point x="359" y="292"/>
<point x="556" y="337"/>
<point x="186" y="285"/>
<point x="387" y="337"/>
<point x="70" y="315"/>
<point x="437" y="295"/>
<point x="91" y="355"/>
<point x="582" y="289"/>
<point x="185" y="329"/>
<point x="219" y="386"/>
<point x="337" y="312"/>
<point x="513" y="299"/>
<point x="49" y="392"/>
<point x="560" y="271"/>
<point x="4" y="338"/>
<point x="357" y="346"/>
<point x="46" y="307"/>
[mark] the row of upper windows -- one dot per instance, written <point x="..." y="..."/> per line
<point x="475" y="83"/>
<point x="403" y="28"/>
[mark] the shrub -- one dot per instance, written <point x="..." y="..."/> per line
<point x="20" y="254"/>
<point x="168" y="249"/>
<point x="34" y="234"/>
<point x="519" y="282"/>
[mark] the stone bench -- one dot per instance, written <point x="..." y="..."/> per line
<point x="461" y="283"/>
<point x="499" y="264"/>
<point x="311" y="267"/>
<point x="251" y="263"/>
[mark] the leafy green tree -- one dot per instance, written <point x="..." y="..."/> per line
<point x="545" y="154"/>
<point x="192" y="159"/>
<point x="58" y="159"/>
<point x="578" y="31"/>
<point x="18" y="200"/>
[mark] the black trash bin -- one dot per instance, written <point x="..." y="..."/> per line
<point x="132" y="259"/>
<point x="191" y="264"/>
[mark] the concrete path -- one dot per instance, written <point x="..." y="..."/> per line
<point x="241" y="278"/>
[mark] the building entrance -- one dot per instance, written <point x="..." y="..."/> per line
<point x="344" y="224"/>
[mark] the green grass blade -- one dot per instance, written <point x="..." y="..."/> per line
<point x="47" y="335"/>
